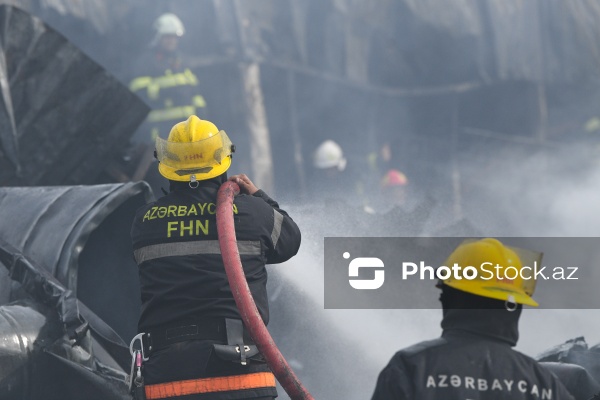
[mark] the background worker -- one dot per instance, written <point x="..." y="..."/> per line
<point x="391" y="193"/>
<point x="165" y="83"/>
<point x="171" y="89"/>
<point x="473" y="358"/>
<point x="330" y="164"/>
<point x="393" y="187"/>
<point x="332" y="181"/>
<point x="191" y="323"/>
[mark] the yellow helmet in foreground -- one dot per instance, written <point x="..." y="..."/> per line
<point x="195" y="150"/>
<point x="503" y="266"/>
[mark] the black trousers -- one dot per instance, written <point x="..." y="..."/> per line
<point x="196" y="359"/>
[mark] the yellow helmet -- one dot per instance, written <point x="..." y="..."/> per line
<point x="506" y="280"/>
<point x="195" y="150"/>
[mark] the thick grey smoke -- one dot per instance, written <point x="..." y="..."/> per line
<point x="541" y="195"/>
<point x="436" y="82"/>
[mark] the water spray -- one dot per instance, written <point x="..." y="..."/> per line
<point x="243" y="297"/>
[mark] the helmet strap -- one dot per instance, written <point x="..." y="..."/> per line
<point x="193" y="182"/>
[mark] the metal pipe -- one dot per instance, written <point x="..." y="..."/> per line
<point x="243" y="297"/>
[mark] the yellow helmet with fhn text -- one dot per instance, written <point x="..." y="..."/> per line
<point x="503" y="272"/>
<point x="195" y="150"/>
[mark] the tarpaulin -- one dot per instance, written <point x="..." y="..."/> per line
<point x="61" y="114"/>
<point x="74" y="293"/>
<point x="80" y="236"/>
<point x="41" y="356"/>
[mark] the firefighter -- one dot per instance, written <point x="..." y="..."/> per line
<point x="392" y="192"/>
<point x="329" y="158"/>
<point x="473" y="358"/>
<point x="331" y="180"/>
<point x="165" y="83"/>
<point x="171" y="89"/>
<point x="190" y="323"/>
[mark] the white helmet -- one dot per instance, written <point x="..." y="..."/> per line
<point x="168" y="24"/>
<point x="329" y="154"/>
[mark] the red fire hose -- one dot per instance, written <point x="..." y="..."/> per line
<point x="243" y="298"/>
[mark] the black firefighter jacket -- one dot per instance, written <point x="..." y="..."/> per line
<point x="181" y="271"/>
<point x="473" y="360"/>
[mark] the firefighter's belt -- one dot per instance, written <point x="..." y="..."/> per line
<point x="236" y="350"/>
<point x="207" y="329"/>
<point x="220" y="330"/>
<point x="210" y="385"/>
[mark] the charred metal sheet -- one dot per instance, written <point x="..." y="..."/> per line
<point x="96" y="12"/>
<point x="61" y="114"/>
<point x="99" y="14"/>
<point x="578" y="381"/>
<point x="422" y="43"/>
<point x="576" y="365"/>
<point x="575" y="351"/>
<point x="391" y="43"/>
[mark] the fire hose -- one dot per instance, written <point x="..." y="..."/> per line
<point x="243" y="297"/>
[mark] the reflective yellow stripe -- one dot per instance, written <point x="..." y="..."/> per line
<point x="173" y="113"/>
<point x="140" y="83"/>
<point x="168" y="80"/>
<point x="210" y="385"/>
<point x="199" y="101"/>
<point x="151" y="252"/>
<point x="277" y="221"/>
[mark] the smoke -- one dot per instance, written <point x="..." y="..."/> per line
<point x="554" y="193"/>
<point x="326" y="75"/>
<point x="549" y="193"/>
<point x="336" y="353"/>
<point x="525" y="191"/>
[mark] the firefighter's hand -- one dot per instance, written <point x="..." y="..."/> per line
<point x="245" y="184"/>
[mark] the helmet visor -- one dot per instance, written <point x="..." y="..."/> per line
<point x="194" y="157"/>
<point x="529" y="259"/>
